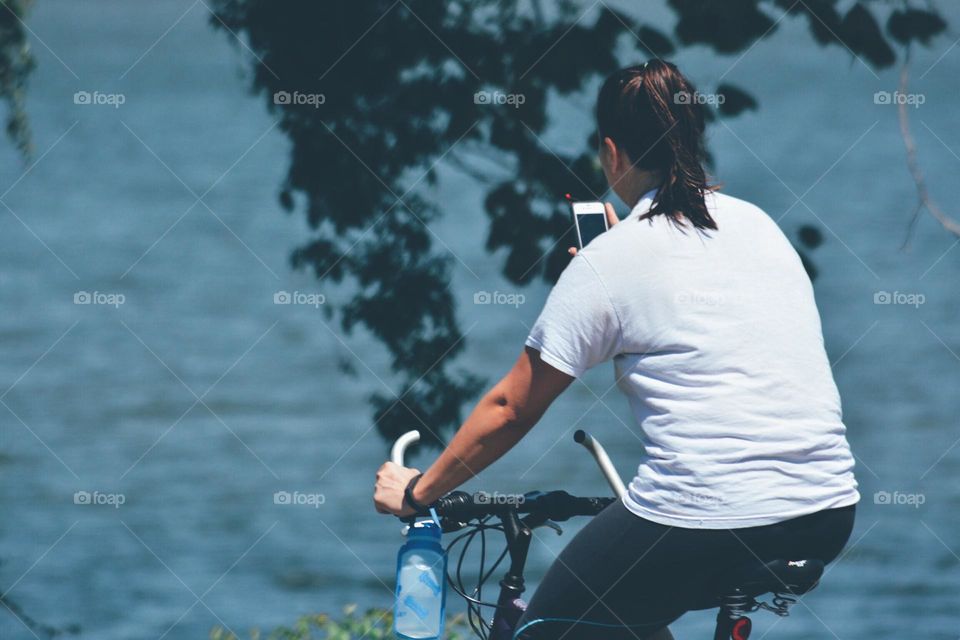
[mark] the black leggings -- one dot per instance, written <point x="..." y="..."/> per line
<point x="624" y="570"/>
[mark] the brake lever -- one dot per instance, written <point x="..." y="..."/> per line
<point x="553" y="525"/>
<point x="533" y="522"/>
<point x="449" y="525"/>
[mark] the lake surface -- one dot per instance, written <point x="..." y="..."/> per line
<point x="198" y="398"/>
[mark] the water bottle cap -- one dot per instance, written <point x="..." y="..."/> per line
<point x="424" y="530"/>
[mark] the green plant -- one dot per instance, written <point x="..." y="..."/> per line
<point x="372" y="624"/>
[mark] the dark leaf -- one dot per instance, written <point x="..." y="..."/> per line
<point x="656" y="43"/>
<point x="735" y="100"/>
<point x="727" y="27"/>
<point x="346" y="366"/>
<point x="824" y="20"/>
<point x="908" y="25"/>
<point x="810" y="236"/>
<point x="286" y="200"/>
<point x="860" y="32"/>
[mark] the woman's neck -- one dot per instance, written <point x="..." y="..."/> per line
<point x="634" y="184"/>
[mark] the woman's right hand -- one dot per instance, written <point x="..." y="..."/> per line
<point x="612" y="219"/>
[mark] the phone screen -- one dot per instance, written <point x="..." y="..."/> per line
<point x="591" y="225"/>
<point x="591" y="221"/>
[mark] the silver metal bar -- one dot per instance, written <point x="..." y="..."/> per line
<point x="603" y="460"/>
<point x="399" y="449"/>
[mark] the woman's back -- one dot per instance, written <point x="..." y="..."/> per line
<point x="718" y="347"/>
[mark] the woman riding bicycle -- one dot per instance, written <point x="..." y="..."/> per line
<point x="709" y="317"/>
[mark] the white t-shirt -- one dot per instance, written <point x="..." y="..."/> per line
<point x="717" y="346"/>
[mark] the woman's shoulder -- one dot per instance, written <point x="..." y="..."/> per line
<point x="722" y="201"/>
<point x="740" y="214"/>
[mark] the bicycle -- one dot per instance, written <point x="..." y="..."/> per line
<point x="786" y="579"/>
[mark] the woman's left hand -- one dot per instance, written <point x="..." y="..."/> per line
<point x="392" y="480"/>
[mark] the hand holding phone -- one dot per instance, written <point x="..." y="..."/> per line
<point x="591" y="219"/>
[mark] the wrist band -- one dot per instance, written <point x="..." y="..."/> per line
<point x="408" y="495"/>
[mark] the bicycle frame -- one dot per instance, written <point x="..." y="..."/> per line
<point x="510" y="606"/>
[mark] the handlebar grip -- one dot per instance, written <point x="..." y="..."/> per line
<point x="603" y="461"/>
<point x="399" y="449"/>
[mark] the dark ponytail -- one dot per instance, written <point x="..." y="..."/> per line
<point x="654" y="113"/>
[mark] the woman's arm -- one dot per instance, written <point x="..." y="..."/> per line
<point x="502" y="417"/>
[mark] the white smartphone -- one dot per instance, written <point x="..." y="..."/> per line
<point x="590" y="219"/>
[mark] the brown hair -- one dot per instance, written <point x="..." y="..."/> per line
<point x="653" y="113"/>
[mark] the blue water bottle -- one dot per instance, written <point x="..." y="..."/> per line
<point x="421" y="583"/>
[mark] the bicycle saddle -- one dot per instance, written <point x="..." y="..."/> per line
<point x="778" y="576"/>
<point x="747" y="581"/>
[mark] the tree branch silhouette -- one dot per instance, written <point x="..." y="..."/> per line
<point x="924" y="199"/>
<point x="408" y="84"/>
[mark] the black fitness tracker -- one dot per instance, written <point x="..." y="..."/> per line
<point x="408" y="495"/>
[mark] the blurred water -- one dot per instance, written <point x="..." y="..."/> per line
<point x="198" y="398"/>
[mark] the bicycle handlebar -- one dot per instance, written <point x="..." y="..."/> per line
<point x="459" y="506"/>
<point x="399" y="450"/>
